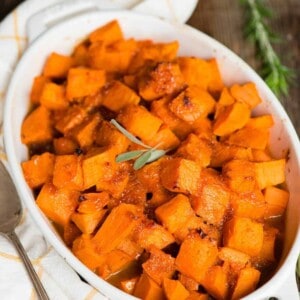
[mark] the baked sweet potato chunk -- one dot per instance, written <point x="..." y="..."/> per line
<point x="57" y="65"/>
<point x="174" y="289"/>
<point x="107" y="33"/>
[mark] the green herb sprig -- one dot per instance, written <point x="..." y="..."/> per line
<point x="143" y="156"/>
<point x="276" y="75"/>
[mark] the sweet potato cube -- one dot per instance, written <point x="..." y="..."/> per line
<point x="139" y="121"/>
<point x="130" y="247"/>
<point x="119" y="224"/>
<point x="195" y="149"/>
<point x="270" y="173"/>
<point x="117" y="95"/>
<point x="246" y="283"/>
<point x="175" y="214"/>
<point x="212" y="201"/>
<point x="267" y="253"/>
<point x="197" y="296"/>
<point x="246" y="93"/>
<point x="80" y="54"/>
<point x="108" y="135"/>
<point x="193" y="103"/>
<point x="87" y="222"/>
<point x="159" y="265"/>
<point x="128" y="285"/>
<point x="160" y="108"/>
<point x="174" y="289"/>
<point x="261" y="122"/>
<point x="116" y="58"/>
<point x="195" y="257"/>
<point x="243" y="234"/>
<point x="64" y="145"/>
<point x="231" y="118"/>
<point x="67" y="172"/>
<point x="196" y="71"/>
<point x="37" y="88"/>
<point x="181" y="175"/>
<point x="250" y="204"/>
<point x="57" y="65"/>
<point x="73" y="116"/>
<point x="38" y="170"/>
<point x="98" y="165"/>
<point x="261" y="155"/>
<point x="236" y="259"/>
<point x="115" y="261"/>
<point x="225" y="99"/>
<point x="189" y="283"/>
<point x="53" y="96"/>
<point x="86" y="251"/>
<point x="92" y="202"/>
<point x="216" y="282"/>
<point x="276" y="201"/>
<point x="71" y="233"/>
<point x="147" y="289"/>
<point x="107" y="33"/>
<point x="33" y="131"/>
<point x="240" y="175"/>
<point x="83" y="82"/>
<point x="164" y="139"/>
<point x="215" y="84"/>
<point x="152" y="234"/>
<point x="84" y="133"/>
<point x="222" y="153"/>
<point x="57" y="204"/>
<point x="164" y="79"/>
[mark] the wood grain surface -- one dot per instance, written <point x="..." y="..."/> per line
<point x="224" y="20"/>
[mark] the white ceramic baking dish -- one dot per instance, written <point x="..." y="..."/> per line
<point x="62" y="38"/>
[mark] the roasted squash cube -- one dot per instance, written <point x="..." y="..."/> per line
<point x="119" y="224"/>
<point x="193" y="103"/>
<point x="246" y="93"/>
<point x="246" y="283"/>
<point x="276" y="201"/>
<point x="39" y="169"/>
<point x="37" y="88"/>
<point x="174" y="289"/>
<point x="212" y="201"/>
<point x="159" y="265"/>
<point x="53" y="96"/>
<point x="57" y="65"/>
<point x="57" y="204"/>
<point x="195" y="149"/>
<point x="164" y="79"/>
<point x="67" y="172"/>
<point x="107" y="33"/>
<point x="34" y="131"/>
<point x="244" y="234"/>
<point x="83" y="82"/>
<point x="117" y="95"/>
<point x="202" y="254"/>
<point x="139" y="121"/>
<point x="147" y="289"/>
<point x="270" y="173"/>
<point x="231" y="118"/>
<point x="98" y="165"/>
<point x="181" y="175"/>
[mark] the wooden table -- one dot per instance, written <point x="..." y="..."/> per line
<point x="224" y="20"/>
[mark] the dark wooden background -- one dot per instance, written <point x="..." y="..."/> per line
<point x="224" y="20"/>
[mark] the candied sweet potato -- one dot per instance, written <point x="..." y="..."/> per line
<point x="39" y="169"/>
<point x="181" y="175"/>
<point x="202" y="255"/>
<point x="37" y="88"/>
<point x="57" y="204"/>
<point x="57" y="65"/>
<point x="107" y="33"/>
<point x="244" y="234"/>
<point x="174" y="289"/>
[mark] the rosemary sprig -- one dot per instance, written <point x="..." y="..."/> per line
<point x="276" y="75"/>
<point x="142" y="156"/>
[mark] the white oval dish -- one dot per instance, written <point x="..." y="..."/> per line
<point x="63" y="37"/>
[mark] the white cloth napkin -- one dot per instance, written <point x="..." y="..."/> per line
<point x="59" y="279"/>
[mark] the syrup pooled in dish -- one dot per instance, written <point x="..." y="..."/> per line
<point x="156" y="174"/>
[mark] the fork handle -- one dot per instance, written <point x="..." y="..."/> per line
<point x="29" y="267"/>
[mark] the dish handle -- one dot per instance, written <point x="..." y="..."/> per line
<point x="51" y="15"/>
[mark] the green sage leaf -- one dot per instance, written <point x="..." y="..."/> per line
<point x="129" y="155"/>
<point x="156" y="154"/>
<point x="142" y="160"/>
